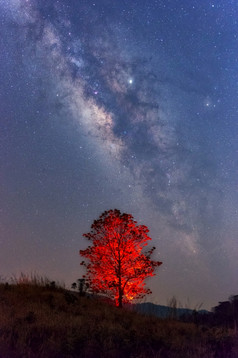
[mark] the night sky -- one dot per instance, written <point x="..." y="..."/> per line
<point x="128" y="104"/>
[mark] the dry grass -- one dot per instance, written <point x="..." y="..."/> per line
<point x="41" y="319"/>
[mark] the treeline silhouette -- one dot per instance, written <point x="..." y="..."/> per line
<point x="224" y="314"/>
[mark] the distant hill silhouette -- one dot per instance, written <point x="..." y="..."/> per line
<point x="164" y="311"/>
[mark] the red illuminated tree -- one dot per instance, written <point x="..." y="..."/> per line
<point x="117" y="266"/>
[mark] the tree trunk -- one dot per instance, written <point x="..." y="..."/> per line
<point x="120" y="292"/>
<point x="120" y="298"/>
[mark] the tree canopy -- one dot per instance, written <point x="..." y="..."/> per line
<point x="116" y="265"/>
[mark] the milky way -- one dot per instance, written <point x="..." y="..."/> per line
<point x="121" y="104"/>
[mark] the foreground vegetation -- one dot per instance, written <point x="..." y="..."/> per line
<point x="40" y="319"/>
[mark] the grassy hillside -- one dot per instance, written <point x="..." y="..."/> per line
<point x="40" y="320"/>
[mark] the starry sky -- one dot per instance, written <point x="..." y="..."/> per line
<point x="128" y="104"/>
